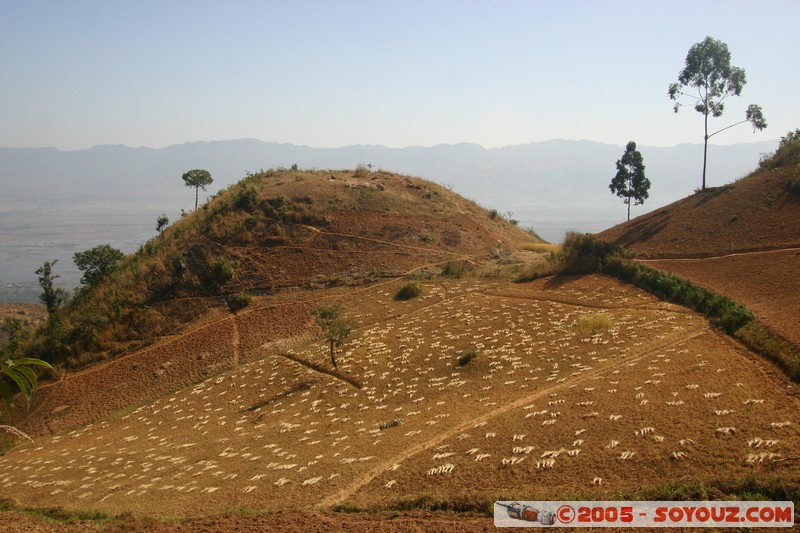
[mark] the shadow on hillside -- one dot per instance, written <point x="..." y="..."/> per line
<point x="644" y="229"/>
<point x="561" y="280"/>
<point x="703" y="197"/>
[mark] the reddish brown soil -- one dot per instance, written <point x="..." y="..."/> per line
<point x="767" y="282"/>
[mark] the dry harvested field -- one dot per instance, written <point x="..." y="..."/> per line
<point x="546" y="410"/>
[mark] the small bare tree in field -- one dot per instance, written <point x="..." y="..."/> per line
<point x="334" y="328"/>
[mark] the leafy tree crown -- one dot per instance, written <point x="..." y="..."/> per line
<point x="97" y="262"/>
<point x="198" y="178"/>
<point x="630" y="181"/>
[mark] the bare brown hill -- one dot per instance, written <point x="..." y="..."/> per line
<point x="756" y="213"/>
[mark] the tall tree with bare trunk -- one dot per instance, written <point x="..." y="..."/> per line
<point x="709" y="76"/>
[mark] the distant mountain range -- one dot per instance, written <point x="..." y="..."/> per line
<point x="113" y="193"/>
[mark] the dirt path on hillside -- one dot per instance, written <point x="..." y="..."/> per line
<point x="379" y="241"/>
<point x="737" y="254"/>
<point x="380" y="468"/>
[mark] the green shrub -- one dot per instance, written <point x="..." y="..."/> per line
<point x="788" y="152"/>
<point x="391" y="424"/>
<point x="583" y="253"/>
<point x="456" y="269"/>
<point x="775" y="348"/>
<point x="493" y="214"/>
<point x="179" y="264"/>
<point x="246" y="199"/>
<point x="412" y="289"/>
<point x="238" y="301"/>
<point x="467" y="357"/>
<point x="221" y="270"/>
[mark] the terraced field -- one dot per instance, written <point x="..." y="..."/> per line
<point x="545" y="410"/>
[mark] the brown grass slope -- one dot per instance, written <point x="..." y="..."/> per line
<point x="756" y="213"/>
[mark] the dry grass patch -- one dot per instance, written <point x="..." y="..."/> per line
<point x="592" y="324"/>
<point x="545" y="247"/>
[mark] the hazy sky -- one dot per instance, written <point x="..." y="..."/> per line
<point x="78" y="73"/>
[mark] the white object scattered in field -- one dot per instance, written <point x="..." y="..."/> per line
<point x="545" y="463"/>
<point x="763" y="456"/>
<point x="444" y="469"/>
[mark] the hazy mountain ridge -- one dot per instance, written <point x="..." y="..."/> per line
<point x="120" y="169"/>
<point x="67" y="201"/>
